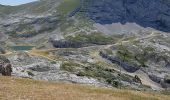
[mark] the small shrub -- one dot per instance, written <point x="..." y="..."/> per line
<point x="115" y="84"/>
<point x="53" y="62"/>
<point x="124" y="53"/>
<point x="81" y="73"/>
<point x="30" y="73"/>
<point x="69" y="66"/>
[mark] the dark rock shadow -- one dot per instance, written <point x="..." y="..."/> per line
<point x="131" y="68"/>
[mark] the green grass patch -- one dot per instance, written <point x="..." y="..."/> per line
<point x="70" y="66"/>
<point x="124" y="53"/>
<point x="93" y="38"/>
<point x="140" y="57"/>
<point x="109" y="51"/>
<point x="100" y="73"/>
<point x="67" y="6"/>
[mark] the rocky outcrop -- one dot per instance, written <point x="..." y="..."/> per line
<point x="42" y="69"/>
<point x="147" y="13"/>
<point x="5" y="66"/>
<point x="31" y="25"/>
<point x="65" y="44"/>
<point x="125" y="65"/>
<point x="155" y="78"/>
<point x="164" y="82"/>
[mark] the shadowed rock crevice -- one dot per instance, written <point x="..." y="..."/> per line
<point x="125" y="65"/>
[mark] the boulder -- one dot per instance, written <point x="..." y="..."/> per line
<point x="155" y="78"/>
<point x="137" y="79"/>
<point x="5" y="66"/>
<point x="2" y="51"/>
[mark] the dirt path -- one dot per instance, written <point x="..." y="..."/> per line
<point x="40" y="54"/>
<point x="121" y="41"/>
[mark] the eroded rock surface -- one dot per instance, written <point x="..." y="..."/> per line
<point x="147" y="13"/>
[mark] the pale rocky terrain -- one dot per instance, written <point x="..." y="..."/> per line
<point x="115" y="43"/>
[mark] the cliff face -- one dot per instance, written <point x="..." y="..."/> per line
<point x="146" y="13"/>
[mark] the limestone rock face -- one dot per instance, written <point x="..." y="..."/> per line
<point x="147" y="13"/>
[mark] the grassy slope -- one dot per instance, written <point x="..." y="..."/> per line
<point x="19" y="89"/>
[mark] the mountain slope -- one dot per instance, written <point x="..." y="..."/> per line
<point x="112" y="43"/>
